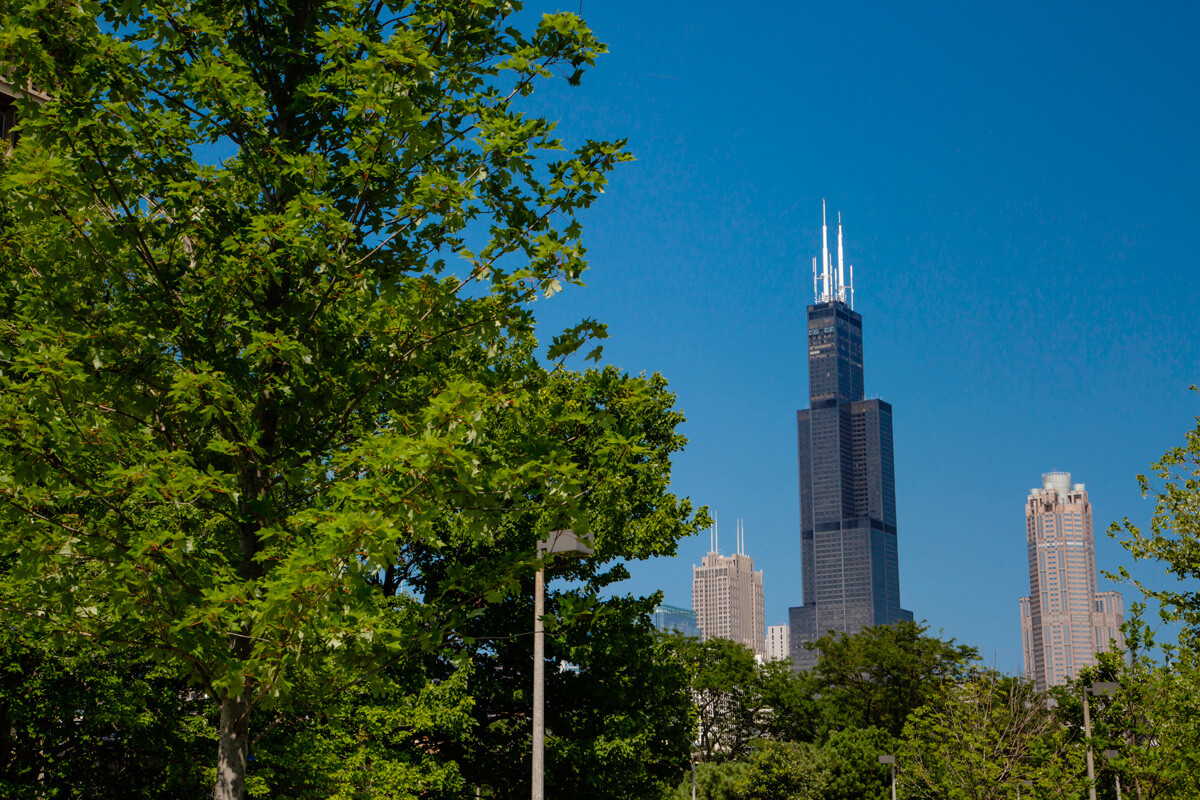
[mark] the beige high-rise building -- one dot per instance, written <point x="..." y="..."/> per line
<point x="1065" y="622"/>
<point x="778" y="643"/>
<point x="727" y="596"/>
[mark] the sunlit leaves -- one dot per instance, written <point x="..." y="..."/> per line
<point x="266" y="350"/>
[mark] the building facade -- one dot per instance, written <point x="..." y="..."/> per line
<point x="848" y="548"/>
<point x="1065" y="622"/>
<point x="673" y="618"/>
<point x="778" y="643"/>
<point x="727" y="596"/>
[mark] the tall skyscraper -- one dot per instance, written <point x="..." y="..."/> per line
<point x="848" y="554"/>
<point x="727" y="596"/>
<point x="1064" y="620"/>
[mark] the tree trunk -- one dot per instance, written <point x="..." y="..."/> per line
<point x="233" y="749"/>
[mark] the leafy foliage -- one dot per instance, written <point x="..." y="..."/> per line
<point x="784" y="771"/>
<point x="267" y="355"/>
<point x="1151" y="720"/>
<point x="96" y="724"/>
<point x="724" y="688"/>
<point x="986" y="738"/>
<point x="878" y="676"/>
<point x="852" y="759"/>
<point x="1174" y="536"/>
<point x="714" y="781"/>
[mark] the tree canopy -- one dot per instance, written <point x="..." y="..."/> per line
<point x="878" y="676"/>
<point x="1174" y="535"/>
<point x="270" y="391"/>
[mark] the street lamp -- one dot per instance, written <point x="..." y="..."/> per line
<point x="1100" y="687"/>
<point x="564" y="542"/>
<point x="890" y="760"/>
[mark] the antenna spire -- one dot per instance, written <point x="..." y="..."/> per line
<point x="825" y="294"/>
<point x="841" y="273"/>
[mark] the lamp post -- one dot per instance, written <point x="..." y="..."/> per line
<point x="1100" y="687"/>
<point x="890" y="760"/>
<point x="564" y="542"/>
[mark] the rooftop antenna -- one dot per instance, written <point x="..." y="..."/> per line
<point x="841" y="273"/>
<point x="824" y="255"/>
<point x="816" y="296"/>
<point x="852" y="287"/>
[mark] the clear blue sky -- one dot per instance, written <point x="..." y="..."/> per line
<point x="1019" y="190"/>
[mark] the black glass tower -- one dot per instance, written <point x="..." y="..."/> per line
<point x="848" y="554"/>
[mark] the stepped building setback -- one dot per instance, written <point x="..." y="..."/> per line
<point x="848" y="551"/>
<point x="1065" y="622"/>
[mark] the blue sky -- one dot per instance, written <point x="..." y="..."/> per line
<point x="1018" y="186"/>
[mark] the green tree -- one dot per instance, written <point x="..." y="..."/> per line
<point x="878" y="676"/>
<point x="1174" y="536"/>
<point x="713" y="781"/>
<point x="1151" y="720"/>
<point x="988" y="737"/>
<point x="96" y="724"/>
<point x="723" y="676"/>
<point x="268" y="284"/>
<point x="852" y="756"/>
<point x="619" y="720"/>
<point x="790" y="711"/>
<point x="783" y="771"/>
<point x="395" y="742"/>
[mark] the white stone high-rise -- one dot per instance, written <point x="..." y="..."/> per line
<point x="1065" y="622"/>
<point x="727" y="596"/>
<point x="778" y="645"/>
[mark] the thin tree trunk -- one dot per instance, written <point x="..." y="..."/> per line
<point x="233" y="749"/>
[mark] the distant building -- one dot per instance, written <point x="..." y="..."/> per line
<point x="727" y="596"/>
<point x="1065" y="622"/>
<point x="848" y="550"/>
<point x="777" y="643"/>
<point x="673" y="618"/>
<point x="10" y="93"/>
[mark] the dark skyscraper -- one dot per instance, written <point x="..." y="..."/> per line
<point x="847" y="477"/>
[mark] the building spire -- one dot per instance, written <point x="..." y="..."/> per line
<point x="824" y="254"/>
<point x="841" y="273"/>
<point x="830" y="281"/>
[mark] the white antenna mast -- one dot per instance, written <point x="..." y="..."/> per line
<point x="852" y="287"/>
<point x="816" y="296"/>
<point x="841" y="273"/>
<point x="824" y="255"/>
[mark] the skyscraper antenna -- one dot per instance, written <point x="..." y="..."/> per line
<point x="841" y="273"/>
<point x="824" y="255"/>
